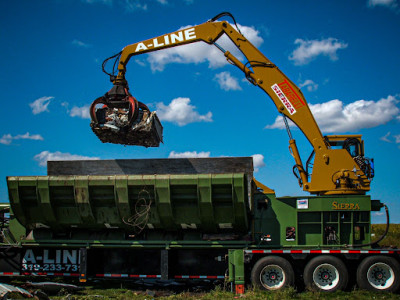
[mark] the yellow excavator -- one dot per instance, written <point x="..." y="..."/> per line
<point x="337" y="164"/>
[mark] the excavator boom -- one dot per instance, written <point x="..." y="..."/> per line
<point x="335" y="170"/>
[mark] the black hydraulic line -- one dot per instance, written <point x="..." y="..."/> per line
<point x="308" y="163"/>
<point x="103" y="66"/>
<point x="298" y="167"/>
<point x="352" y="141"/>
<point x="115" y="62"/>
<point x="381" y="237"/>
<point x="223" y="14"/>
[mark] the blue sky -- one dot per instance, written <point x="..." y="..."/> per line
<point x="343" y="54"/>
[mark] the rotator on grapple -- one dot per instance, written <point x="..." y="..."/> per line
<point x="118" y="118"/>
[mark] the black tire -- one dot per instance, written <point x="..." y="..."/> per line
<point x="325" y="273"/>
<point x="272" y="273"/>
<point x="379" y="273"/>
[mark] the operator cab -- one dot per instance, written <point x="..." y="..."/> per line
<point x="354" y="144"/>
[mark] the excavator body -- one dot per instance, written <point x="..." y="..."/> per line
<point x="338" y="163"/>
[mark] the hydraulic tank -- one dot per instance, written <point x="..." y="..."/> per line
<point x="169" y="202"/>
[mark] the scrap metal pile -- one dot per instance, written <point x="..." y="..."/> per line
<point x="123" y="120"/>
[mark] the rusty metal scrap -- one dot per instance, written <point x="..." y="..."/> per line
<point x="6" y="289"/>
<point x="145" y="131"/>
<point x="53" y="287"/>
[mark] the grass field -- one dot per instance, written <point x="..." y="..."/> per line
<point x="393" y="237"/>
<point x="111" y="292"/>
<point x="218" y="294"/>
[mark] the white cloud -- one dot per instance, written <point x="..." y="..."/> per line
<point x="397" y="138"/>
<point x="309" y="50"/>
<point x="252" y="34"/>
<point x="335" y="116"/>
<point x="132" y="5"/>
<point x="192" y="53"/>
<point x="227" y="82"/>
<point x="391" y="139"/>
<point x="188" y="154"/>
<point x="387" y="3"/>
<point x="45" y="156"/>
<point x="279" y="124"/>
<point x="81" y="112"/>
<point x="385" y="138"/>
<point x="40" y="105"/>
<point x="201" y="52"/>
<point x="378" y="213"/>
<point x="258" y="161"/>
<point x="140" y="62"/>
<point x="80" y="44"/>
<point x="7" y="139"/>
<point x="163" y="2"/>
<point x="310" y="85"/>
<point x="28" y="136"/>
<point x="181" y="112"/>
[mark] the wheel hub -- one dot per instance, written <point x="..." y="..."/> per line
<point x="326" y="276"/>
<point x="272" y="277"/>
<point x="380" y="275"/>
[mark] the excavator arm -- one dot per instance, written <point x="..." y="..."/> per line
<point x="334" y="170"/>
<point x="259" y="70"/>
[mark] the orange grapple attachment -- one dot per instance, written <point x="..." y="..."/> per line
<point x="118" y="118"/>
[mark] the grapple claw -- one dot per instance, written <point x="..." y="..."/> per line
<point x="121" y="119"/>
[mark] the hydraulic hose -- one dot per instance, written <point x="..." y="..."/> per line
<point x="382" y="236"/>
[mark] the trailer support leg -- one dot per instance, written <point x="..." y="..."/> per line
<point x="82" y="265"/>
<point x="164" y="265"/>
<point x="236" y="270"/>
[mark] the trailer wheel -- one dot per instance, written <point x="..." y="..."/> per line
<point x="379" y="273"/>
<point x="272" y="273"/>
<point x="325" y="273"/>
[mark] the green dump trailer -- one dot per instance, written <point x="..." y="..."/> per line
<point x="188" y="219"/>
